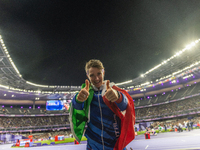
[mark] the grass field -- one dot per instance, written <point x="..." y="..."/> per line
<point x="67" y="140"/>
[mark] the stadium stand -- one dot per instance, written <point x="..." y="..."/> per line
<point x="170" y="109"/>
<point x="9" y="122"/>
<point x="27" y="111"/>
<point x="168" y="96"/>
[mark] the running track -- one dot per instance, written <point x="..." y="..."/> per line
<point x="163" y="141"/>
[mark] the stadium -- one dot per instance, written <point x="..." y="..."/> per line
<point x="150" y="55"/>
<point x="164" y="97"/>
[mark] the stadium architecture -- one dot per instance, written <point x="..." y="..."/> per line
<point x="169" y="90"/>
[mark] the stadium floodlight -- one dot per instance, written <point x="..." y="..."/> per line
<point x="183" y="50"/>
<point x="15" y="69"/>
<point x="124" y="82"/>
<point x="174" y="81"/>
<point x="189" y="46"/>
<point x="185" y="77"/>
<point x="39" y="85"/>
<point x="144" y="83"/>
<point x="5" y="49"/>
<point x="52" y="86"/>
<point x="3" y="86"/>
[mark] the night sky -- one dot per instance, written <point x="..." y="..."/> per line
<point x="51" y="40"/>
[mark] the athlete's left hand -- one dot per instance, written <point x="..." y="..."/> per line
<point x="111" y="94"/>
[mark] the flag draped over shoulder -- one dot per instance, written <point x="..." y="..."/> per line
<point x="127" y="121"/>
<point x="78" y="118"/>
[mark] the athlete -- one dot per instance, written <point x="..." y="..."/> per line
<point x="107" y="110"/>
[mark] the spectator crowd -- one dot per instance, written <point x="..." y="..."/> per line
<point x="7" y="122"/>
<point x="170" y="109"/>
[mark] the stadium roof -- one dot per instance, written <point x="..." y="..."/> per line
<point x="186" y="58"/>
<point x="183" y="60"/>
<point x="11" y="78"/>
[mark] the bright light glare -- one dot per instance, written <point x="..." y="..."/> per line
<point x="36" y="84"/>
<point x="124" y="82"/>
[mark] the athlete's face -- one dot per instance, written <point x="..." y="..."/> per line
<point x="96" y="76"/>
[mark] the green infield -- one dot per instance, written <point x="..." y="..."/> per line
<point x="67" y="140"/>
<point x="17" y="146"/>
<point x="157" y="131"/>
<point x="160" y="131"/>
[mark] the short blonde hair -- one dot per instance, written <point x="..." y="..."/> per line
<point x="93" y="63"/>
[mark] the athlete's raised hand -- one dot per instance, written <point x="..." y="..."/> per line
<point x="84" y="93"/>
<point x="111" y="94"/>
